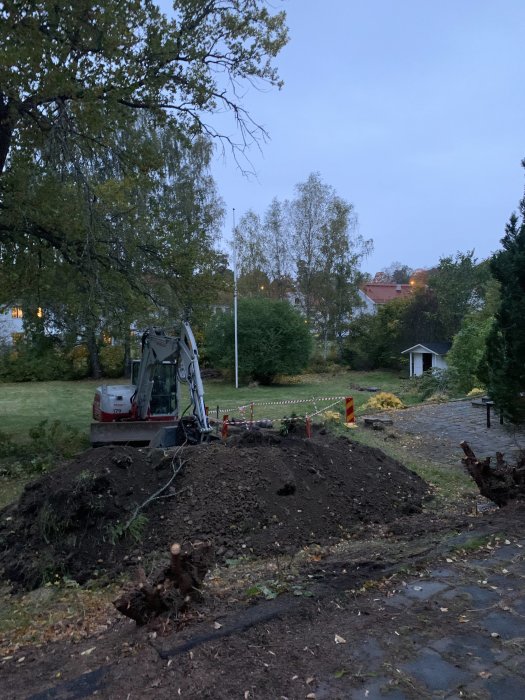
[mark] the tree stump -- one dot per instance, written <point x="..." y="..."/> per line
<point x="171" y="590"/>
<point x="501" y="483"/>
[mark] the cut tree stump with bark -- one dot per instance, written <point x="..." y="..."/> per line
<point x="501" y="483"/>
<point x="171" y="590"/>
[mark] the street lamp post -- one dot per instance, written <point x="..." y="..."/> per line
<point x="236" y="350"/>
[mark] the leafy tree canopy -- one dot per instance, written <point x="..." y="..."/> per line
<point x="106" y="117"/>
<point x="310" y="247"/>
<point x="97" y="250"/>
<point x="459" y="284"/>
<point x="79" y="82"/>
<point x="82" y="66"/>
<point x="395" y="273"/>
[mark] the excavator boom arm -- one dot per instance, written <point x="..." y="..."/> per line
<point x="189" y="371"/>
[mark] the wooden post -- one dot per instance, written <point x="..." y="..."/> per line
<point x="308" y="427"/>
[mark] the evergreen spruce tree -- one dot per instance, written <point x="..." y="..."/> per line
<point x="503" y="367"/>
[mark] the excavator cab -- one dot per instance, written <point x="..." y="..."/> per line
<point x="163" y="401"/>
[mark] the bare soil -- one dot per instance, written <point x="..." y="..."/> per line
<point x="307" y="536"/>
<point x="252" y="496"/>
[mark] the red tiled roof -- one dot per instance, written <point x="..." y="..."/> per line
<point x="382" y="293"/>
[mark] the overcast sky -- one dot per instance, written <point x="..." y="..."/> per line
<point x="413" y="110"/>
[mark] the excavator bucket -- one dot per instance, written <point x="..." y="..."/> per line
<point x="137" y="433"/>
<point x="186" y="431"/>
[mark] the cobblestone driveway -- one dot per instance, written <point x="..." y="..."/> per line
<point x="442" y="427"/>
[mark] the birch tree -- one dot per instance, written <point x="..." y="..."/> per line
<point x="277" y="242"/>
<point x="250" y="255"/>
<point x="328" y="251"/>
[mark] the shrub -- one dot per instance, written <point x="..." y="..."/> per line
<point x="112" y="360"/>
<point x="56" y="439"/>
<point x="25" y="364"/>
<point x="318" y="365"/>
<point x="382" y="401"/>
<point x="467" y="351"/>
<point x="273" y="339"/>
<point x="78" y="358"/>
<point x="438" y="397"/>
<point x="49" y="443"/>
<point x="7" y="445"/>
<point x="433" y="381"/>
<point x="332" y="416"/>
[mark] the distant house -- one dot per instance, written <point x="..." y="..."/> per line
<point x="11" y="324"/>
<point x="367" y="305"/>
<point x="376" y="294"/>
<point x="425" y="356"/>
<point x="383" y="293"/>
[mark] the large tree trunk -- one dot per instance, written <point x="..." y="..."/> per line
<point x="94" y="360"/>
<point x="127" y="358"/>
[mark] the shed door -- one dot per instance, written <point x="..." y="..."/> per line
<point x="427" y="361"/>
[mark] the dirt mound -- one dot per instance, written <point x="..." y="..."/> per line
<point x="255" y="495"/>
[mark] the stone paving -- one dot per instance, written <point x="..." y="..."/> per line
<point x="481" y="605"/>
<point x="446" y="425"/>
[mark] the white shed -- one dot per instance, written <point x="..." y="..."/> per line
<point x="425" y="356"/>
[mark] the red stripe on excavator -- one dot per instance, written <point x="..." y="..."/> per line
<point x="105" y="417"/>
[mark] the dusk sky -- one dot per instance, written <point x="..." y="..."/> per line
<point x="413" y="110"/>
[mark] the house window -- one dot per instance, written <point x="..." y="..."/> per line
<point x="16" y="312"/>
<point x="39" y="312"/>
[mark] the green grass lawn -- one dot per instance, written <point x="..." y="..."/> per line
<point x="310" y="392"/>
<point x="24" y="405"/>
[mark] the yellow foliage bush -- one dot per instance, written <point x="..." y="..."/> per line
<point x="438" y="397"/>
<point x="476" y="391"/>
<point x="288" y="379"/>
<point x="331" y="416"/>
<point x="383" y="401"/>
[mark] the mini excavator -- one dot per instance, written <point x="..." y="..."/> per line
<point x="148" y="411"/>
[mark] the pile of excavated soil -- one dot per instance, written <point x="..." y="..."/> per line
<point x="254" y="495"/>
